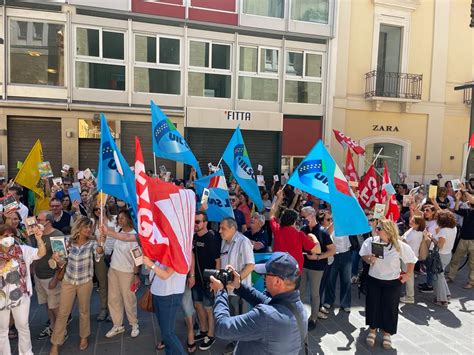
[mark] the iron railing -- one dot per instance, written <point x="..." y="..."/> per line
<point x="392" y="84"/>
<point x="467" y="99"/>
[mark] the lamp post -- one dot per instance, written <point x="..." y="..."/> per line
<point x="470" y="162"/>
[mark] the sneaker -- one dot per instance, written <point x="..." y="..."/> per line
<point x="69" y="319"/>
<point x="322" y="315"/>
<point x="327" y="306"/>
<point x="207" y="343"/>
<point x="45" y="333"/>
<point x="420" y="286"/>
<point x="135" y="331"/>
<point x="115" y="331"/>
<point x="407" y="300"/>
<point x="229" y="348"/>
<point x="200" y="336"/>
<point x="426" y="289"/>
<point x="346" y="309"/>
<point x="311" y="325"/>
<point x="102" y="315"/>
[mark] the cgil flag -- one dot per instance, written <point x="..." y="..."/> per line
<point x="218" y="204"/>
<point x="237" y="158"/>
<point x="346" y="142"/>
<point x="114" y="176"/>
<point x="29" y="176"/>
<point x="168" y="143"/>
<point x="165" y="218"/>
<point x="349" y="219"/>
<point x="350" y="171"/>
<point x="369" y="189"/>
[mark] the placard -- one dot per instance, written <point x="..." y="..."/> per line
<point x="9" y="204"/>
<point x="77" y="185"/>
<point x="379" y="210"/>
<point x="456" y="184"/>
<point x="58" y="246"/>
<point x="88" y="174"/>
<point x="30" y="222"/>
<point x="406" y="200"/>
<point x="276" y="178"/>
<point x="80" y="175"/>
<point x="137" y="255"/>
<point x="259" y="167"/>
<point x="377" y="249"/>
<point x="57" y="181"/>
<point x="45" y="170"/>
<point x="433" y="191"/>
<point x="205" y="196"/>
<point x="74" y="194"/>
<point x="260" y="180"/>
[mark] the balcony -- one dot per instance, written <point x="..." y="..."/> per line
<point x="467" y="96"/>
<point x="383" y="86"/>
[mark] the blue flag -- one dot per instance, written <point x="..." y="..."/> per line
<point x="114" y="176"/>
<point x="218" y="203"/>
<point x="237" y="158"/>
<point x="168" y="143"/>
<point x="319" y="175"/>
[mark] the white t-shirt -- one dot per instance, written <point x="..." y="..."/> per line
<point x="174" y="285"/>
<point x="342" y="244"/>
<point x="431" y="226"/>
<point x="450" y="235"/>
<point x="109" y="241"/>
<point x="122" y="259"/>
<point x="388" y="268"/>
<point x="23" y="211"/>
<point x="413" y="238"/>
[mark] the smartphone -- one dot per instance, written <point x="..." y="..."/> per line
<point x="205" y="196"/>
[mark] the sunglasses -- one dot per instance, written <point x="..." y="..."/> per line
<point x="372" y="220"/>
<point x="96" y="209"/>
<point x="378" y="229"/>
<point x="328" y="219"/>
<point x="197" y="222"/>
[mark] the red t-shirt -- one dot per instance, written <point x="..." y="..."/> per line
<point x="289" y="239"/>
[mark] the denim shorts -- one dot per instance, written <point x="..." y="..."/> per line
<point x="202" y="295"/>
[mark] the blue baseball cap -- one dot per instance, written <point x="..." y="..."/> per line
<point x="280" y="264"/>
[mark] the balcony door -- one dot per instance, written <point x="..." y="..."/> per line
<point x="389" y="61"/>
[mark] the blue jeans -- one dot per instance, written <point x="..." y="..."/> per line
<point x="341" y="266"/>
<point x="355" y="262"/>
<point x="166" y="308"/>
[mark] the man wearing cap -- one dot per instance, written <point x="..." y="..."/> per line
<point x="278" y="322"/>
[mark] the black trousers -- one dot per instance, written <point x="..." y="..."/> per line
<point x="381" y="304"/>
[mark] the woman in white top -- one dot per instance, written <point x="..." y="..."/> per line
<point x="167" y="288"/>
<point x="385" y="280"/>
<point x="123" y="276"/>
<point x="413" y="237"/>
<point x="444" y="239"/>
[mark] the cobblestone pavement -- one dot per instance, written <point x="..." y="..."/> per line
<point x="423" y="328"/>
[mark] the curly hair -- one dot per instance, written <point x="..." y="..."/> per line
<point x="446" y="219"/>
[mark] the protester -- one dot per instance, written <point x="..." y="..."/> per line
<point x="16" y="192"/>
<point x="67" y="204"/>
<point x="243" y="206"/>
<point x="238" y="214"/>
<point x="62" y="220"/>
<point x="77" y="282"/>
<point x="443" y="200"/>
<point x="123" y="276"/>
<point x="413" y="237"/>
<point x="48" y="289"/>
<point x="16" y="287"/>
<point x="277" y="323"/>
<point x="167" y="287"/>
<point x="466" y="242"/>
<point x="13" y="219"/>
<point x="314" y="265"/>
<point x="444" y="241"/>
<point x="206" y="251"/>
<point x="384" y="281"/>
<point x="429" y="213"/>
<point x="324" y="219"/>
<point x="257" y="234"/>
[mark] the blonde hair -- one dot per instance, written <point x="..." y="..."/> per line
<point x="78" y="226"/>
<point x="391" y="229"/>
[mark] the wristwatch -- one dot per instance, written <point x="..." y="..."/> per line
<point x="153" y="267"/>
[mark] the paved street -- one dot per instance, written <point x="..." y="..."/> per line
<point x="423" y="328"/>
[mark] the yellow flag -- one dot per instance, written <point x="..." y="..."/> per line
<point x="29" y="175"/>
<point x="41" y="204"/>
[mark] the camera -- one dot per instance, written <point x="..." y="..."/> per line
<point x="223" y="275"/>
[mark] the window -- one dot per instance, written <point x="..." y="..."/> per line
<point x="392" y="155"/>
<point x="303" y="82"/>
<point x="268" y="8"/>
<point x="316" y="11"/>
<point x="210" y="69"/>
<point x="32" y="62"/>
<point x="100" y="59"/>
<point x="388" y="61"/>
<point x="258" y="74"/>
<point x="157" y="65"/>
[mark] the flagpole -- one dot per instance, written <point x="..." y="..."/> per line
<point x="101" y="219"/>
<point x="464" y="168"/>
<point x="377" y="156"/>
<point x="154" y="163"/>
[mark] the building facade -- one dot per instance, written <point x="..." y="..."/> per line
<point x="211" y="65"/>
<point x="396" y="65"/>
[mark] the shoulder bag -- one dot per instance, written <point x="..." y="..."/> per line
<point x="145" y="303"/>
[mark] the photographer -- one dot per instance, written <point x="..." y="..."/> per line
<point x="277" y="323"/>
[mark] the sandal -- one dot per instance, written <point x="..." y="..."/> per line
<point x="160" y="346"/>
<point x="324" y="310"/>
<point x="84" y="344"/>
<point x="387" y="342"/>
<point x="322" y="315"/>
<point x="371" y="338"/>
<point x="191" y="347"/>
<point x="441" y="303"/>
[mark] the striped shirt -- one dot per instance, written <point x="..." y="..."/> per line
<point x="238" y="252"/>
<point x="80" y="265"/>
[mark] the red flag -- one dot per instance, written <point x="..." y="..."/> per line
<point x="471" y="141"/>
<point x="166" y="225"/>
<point x="393" y="212"/>
<point x="346" y="141"/>
<point x="368" y="189"/>
<point x="350" y="171"/>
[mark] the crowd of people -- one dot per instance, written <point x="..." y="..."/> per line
<point x="307" y="259"/>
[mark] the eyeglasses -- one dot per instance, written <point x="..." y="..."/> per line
<point x="56" y="206"/>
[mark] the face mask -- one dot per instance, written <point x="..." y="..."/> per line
<point x="7" y="242"/>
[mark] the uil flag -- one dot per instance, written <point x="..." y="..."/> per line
<point x="350" y="171"/>
<point x="114" y="176"/>
<point x="237" y="158"/>
<point x="368" y="189"/>
<point x="165" y="218"/>
<point x="218" y="204"/>
<point x="349" y="219"/>
<point x="346" y="141"/>
<point x="168" y="143"/>
<point x="393" y="211"/>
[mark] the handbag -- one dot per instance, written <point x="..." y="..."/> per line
<point x="424" y="249"/>
<point x="433" y="262"/>
<point x="145" y="303"/>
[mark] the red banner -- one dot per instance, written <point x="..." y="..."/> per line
<point x="369" y="189"/>
<point x="350" y="170"/>
<point x="346" y="141"/>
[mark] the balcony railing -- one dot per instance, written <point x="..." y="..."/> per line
<point x="467" y="99"/>
<point x="393" y="85"/>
